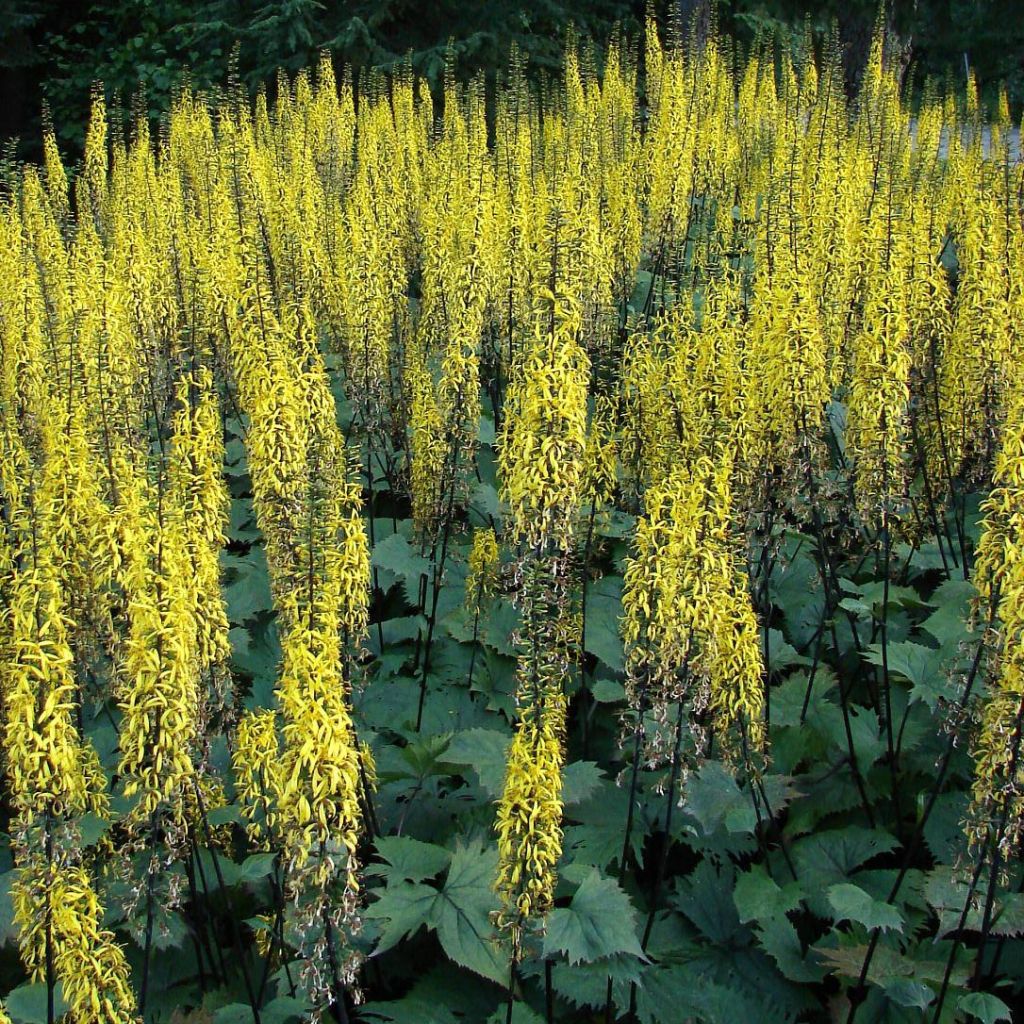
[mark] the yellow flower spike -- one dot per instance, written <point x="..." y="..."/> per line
<point x="529" y="820"/>
<point x="50" y="770"/>
<point x="482" y="578"/>
<point x="95" y="975"/>
<point x="878" y="434"/>
<point x="545" y="433"/>
<point x="999" y="577"/>
<point x="688" y="622"/>
<point x="196" y="486"/>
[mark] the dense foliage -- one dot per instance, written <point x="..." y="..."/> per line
<point x="149" y="47"/>
<point x="561" y="567"/>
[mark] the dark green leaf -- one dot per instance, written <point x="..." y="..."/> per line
<point x="705" y="897"/>
<point x="28" y="1003"/>
<point x="408" y="859"/>
<point x="780" y="941"/>
<point x="604" y="609"/>
<point x="831" y="857"/>
<point x="398" y="556"/>
<point x="92" y="828"/>
<point x="912" y="994"/>
<point x="758" y="896"/>
<point x="521" y="1014"/>
<point x="599" y="922"/>
<point x="483" y="750"/>
<point x="580" y="779"/>
<point x="851" y="903"/>
<point x="282" y="1009"/>
<point x="404" y="907"/>
<point x="461" y="914"/>
<point x="256" y="867"/>
<point x="233" y="1013"/>
<point x="986" y="1007"/>
<point x="948" y="622"/>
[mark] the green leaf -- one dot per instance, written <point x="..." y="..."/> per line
<point x="598" y="922"/>
<point x="217" y="866"/>
<point x="604" y="609"/>
<point x="399" y="630"/>
<point x="608" y="691"/>
<point x="408" y="859"/>
<point x="234" y="1013"/>
<point x="888" y="965"/>
<point x="780" y="941"/>
<point x="461" y="914"/>
<point x="580" y="779"/>
<point x="521" y="1014"/>
<point x="759" y="897"/>
<point x="597" y="839"/>
<point x="945" y="891"/>
<point x="8" y="929"/>
<point x="875" y="595"/>
<point x="943" y="831"/>
<point x="246" y="586"/>
<point x="444" y="994"/>
<point x="256" y="867"/>
<point x="410" y="1010"/>
<point x="1008" y="918"/>
<point x="398" y="556"/>
<point x="830" y="857"/>
<point x="483" y="750"/>
<point x="234" y="452"/>
<point x="586" y="985"/>
<point x="948" y="623"/>
<point x="484" y="504"/>
<point x="426" y="756"/>
<point x="985" y="1006"/>
<point x="486" y="433"/>
<point x="852" y="903"/>
<point x="28" y="1003"/>
<point x="281" y="1009"/>
<point x="913" y="994"/>
<point x="404" y="907"/>
<point x="922" y="666"/>
<point x="686" y="992"/>
<point x="705" y="897"/>
<point x="712" y="795"/>
<point x="781" y="654"/>
<point x="256" y="652"/>
<point x="243" y="521"/>
<point x="226" y="815"/>
<point x="92" y="828"/>
<point x="498" y="622"/>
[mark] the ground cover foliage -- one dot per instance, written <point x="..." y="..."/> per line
<point x="566" y="568"/>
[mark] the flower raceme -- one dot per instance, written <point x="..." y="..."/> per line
<point x="792" y="332"/>
<point x="529" y="822"/>
<point x="545" y="435"/>
<point x="542" y="460"/>
<point x="998" y="812"/>
<point x="688" y="623"/>
<point x="55" y="905"/>
<point x="483" y="563"/>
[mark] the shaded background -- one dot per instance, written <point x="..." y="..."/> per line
<point x="54" y="50"/>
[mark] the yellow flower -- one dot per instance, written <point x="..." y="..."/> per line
<point x="999" y="576"/>
<point x="529" y="821"/>
<point x="196" y="485"/>
<point x="688" y="622"/>
<point x="51" y="771"/>
<point x="482" y="578"/>
<point x="545" y="433"/>
<point x="93" y="971"/>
